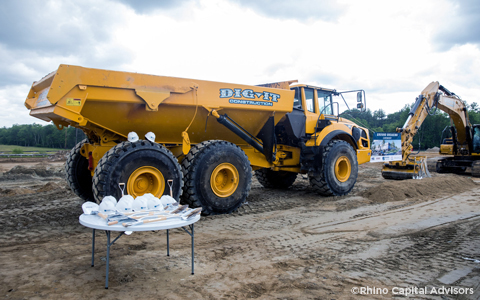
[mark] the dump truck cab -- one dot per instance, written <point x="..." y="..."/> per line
<point x="331" y="147"/>
<point x="319" y="107"/>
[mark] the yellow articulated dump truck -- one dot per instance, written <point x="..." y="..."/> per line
<point x="208" y="136"/>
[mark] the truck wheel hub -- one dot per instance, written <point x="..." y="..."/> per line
<point x="224" y="180"/>
<point x="343" y="169"/>
<point x="146" y="180"/>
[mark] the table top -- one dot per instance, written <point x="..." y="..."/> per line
<point x="96" y="222"/>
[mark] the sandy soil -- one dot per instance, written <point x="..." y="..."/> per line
<point x="291" y="244"/>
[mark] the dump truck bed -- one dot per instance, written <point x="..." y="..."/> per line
<point x="121" y="102"/>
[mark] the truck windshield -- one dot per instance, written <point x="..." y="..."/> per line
<point x="325" y="102"/>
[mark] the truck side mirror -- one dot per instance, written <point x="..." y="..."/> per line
<point x="360" y="104"/>
<point x="359" y="97"/>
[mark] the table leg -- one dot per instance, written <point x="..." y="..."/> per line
<point x="108" y="258"/>
<point x="168" y="245"/>
<point x="108" y="252"/>
<point x="192" y="234"/>
<point x="193" y="252"/>
<point x="93" y="245"/>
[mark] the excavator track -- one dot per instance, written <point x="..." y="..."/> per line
<point x="394" y="172"/>
<point x="411" y="169"/>
<point x="398" y="175"/>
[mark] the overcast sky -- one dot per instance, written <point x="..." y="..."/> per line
<point x="391" y="49"/>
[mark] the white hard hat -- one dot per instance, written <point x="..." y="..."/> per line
<point x="153" y="202"/>
<point x="150" y="136"/>
<point x="111" y="199"/>
<point x="140" y="204"/>
<point x="132" y="137"/>
<point x="125" y="204"/>
<point x="89" y="206"/>
<point x="167" y="200"/>
<point x="106" y="207"/>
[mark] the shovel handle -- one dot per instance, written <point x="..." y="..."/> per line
<point x="139" y="222"/>
<point x="155" y="220"/>
<point x="170" y="184"/>
<point x="102" y="215"/>
<point x="122" y="188"/>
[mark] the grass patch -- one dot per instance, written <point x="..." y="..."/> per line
<point x="6" y="149"/>
<point x="17" y="151"/>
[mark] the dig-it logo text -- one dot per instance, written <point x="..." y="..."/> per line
<point x="249" y="97"/>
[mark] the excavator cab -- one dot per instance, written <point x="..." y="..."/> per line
<point x="476" y="139"/>
<point x="446" y="145"/>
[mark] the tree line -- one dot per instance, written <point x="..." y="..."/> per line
<point x="36" y="135"/>
<point x="431" y="133"/>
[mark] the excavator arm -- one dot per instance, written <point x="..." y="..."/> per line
<point x="433" y="96"/>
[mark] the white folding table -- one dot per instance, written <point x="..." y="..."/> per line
<point x="97" y="223"/>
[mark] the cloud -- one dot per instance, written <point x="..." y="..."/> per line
<point x="13" y="111"/>
<point x="390" y="51"/>
<point x="37" y="36"/>
<point x="301" y="10"/>
<point x="150" y="6"/>
<point x="327" y="79"/>
<point x="460" y="26"/>
<point x="53" y="27"/>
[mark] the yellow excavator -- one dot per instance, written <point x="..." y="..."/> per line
<point x="465" y="141"/>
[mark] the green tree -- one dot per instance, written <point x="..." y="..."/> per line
<point x="379" y="116"/>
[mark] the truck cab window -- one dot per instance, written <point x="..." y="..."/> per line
<point x="309" y="99"/>
<point x="325" y="102"/>
<point x="297" y="101"/>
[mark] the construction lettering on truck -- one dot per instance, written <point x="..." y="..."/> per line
<point x="249" y="94"/>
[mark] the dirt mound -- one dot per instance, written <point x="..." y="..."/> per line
<point x="17" y="191"/>
<point x="51" y="186"/>
<point x="20" y="170"/>
<point x="41" y="170"/>
<point x="59" y="156"/>
<point x="424" y="188"/>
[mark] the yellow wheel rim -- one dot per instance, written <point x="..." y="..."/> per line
<point x="224" y="180"/>
<point x="343" y="169"/>
<point x="146" y="180"/>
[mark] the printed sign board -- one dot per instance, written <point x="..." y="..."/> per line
<point x="386" y="146"/>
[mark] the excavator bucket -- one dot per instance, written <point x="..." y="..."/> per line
<point x="412" y="169"/>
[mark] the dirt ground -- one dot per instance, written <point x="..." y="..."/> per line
<point x="395" y="238"/>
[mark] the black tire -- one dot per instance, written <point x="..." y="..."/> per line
<point x="330" y="182"/>
<point x="440" y="168"/>
<point x="208" y="158"/>
<point x="476" y="169"/>
<point x="128" y="162"/>
<point x="275" y="179"/>
<point x="78" y="175"/>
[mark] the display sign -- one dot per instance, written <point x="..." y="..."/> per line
<point x="386" y="146"/>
